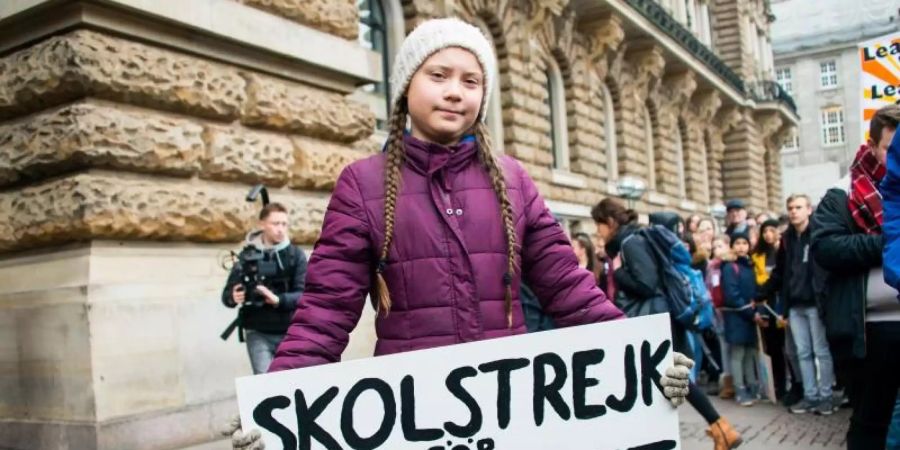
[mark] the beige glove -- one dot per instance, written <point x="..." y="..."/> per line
<point x="676" y="379"/>
<point x="243" y="441"/>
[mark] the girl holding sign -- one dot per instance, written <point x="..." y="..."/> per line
<point x="438" y="228"/>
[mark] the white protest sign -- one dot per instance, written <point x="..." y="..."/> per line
<point x="588" y="387"/>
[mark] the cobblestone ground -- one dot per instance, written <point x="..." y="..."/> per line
<point x="768" y="427"/>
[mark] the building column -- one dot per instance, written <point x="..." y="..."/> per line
<point x="129" y="150"/>
<point x="744" y="172"/>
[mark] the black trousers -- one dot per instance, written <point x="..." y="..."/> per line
<point x="875" y="384"/>
<point x="715" y="349"/>
<point x="697" y="399"/>
<point x="773" y="343"/>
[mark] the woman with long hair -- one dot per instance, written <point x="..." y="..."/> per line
<point x="583" y="246"/>
<point x="639" y="291"/>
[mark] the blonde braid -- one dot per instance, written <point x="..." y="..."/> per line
<point x="486" y="155"/>
<point x="393" y="164"/>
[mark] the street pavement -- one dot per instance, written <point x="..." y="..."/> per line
<point x="768" y="427"/>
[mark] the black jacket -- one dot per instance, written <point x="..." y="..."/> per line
<point x="638" y="277"/>
<point x="639" y="290"/>
<point x="288" y="285"/>
<point x="535" y="317"/>
<point x="793" y="272"/>
<point x="846" y="254"/>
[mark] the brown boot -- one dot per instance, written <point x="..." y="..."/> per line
<point x="726" y="389"/>
<point x="724" y="435"/>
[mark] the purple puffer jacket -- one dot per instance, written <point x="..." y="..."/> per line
<point x="446" y="264"/>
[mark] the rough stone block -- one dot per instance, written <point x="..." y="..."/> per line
<point x="521" y="152"/>
<point x="85" y="63"/>
<point x="318" y="163"/>
<point x="524" y="135"/>
<point x="293" y="107"/>
<point x="240" y="154"/>
<point x="88" y="134"/>
<point x="123" y="206"/>
<point x="340" y="17"/>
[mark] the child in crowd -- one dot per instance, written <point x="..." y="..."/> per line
<point x="739" y="289"/>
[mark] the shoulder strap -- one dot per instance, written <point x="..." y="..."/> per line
<point x="622" y="246"/>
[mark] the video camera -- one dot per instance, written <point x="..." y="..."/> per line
<point x="255" y="267"/>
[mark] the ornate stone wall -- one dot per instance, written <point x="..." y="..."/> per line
<point x="89" y="94"/>
<point x="124" y="168"/>
<point x="171" y="126"/>
<point x="596" y="52"/>
<point x="338" y="17"/>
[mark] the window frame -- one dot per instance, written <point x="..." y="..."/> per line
<point x="786" y="82"/>
<point x="827" y="126"/>
<point x="828" y="79"/>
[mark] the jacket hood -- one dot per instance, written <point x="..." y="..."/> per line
<point x="255" y="238"/>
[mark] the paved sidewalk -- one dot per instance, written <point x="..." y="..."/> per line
<point x="768" y="427"/>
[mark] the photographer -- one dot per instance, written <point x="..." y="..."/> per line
<point x="267" y="281"/>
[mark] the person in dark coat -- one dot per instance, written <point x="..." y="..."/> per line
<point x="773" y="326"/>
<point x="739" y="289"/>
<point x="639" y="290"/>
<point x="264" y="324"/>
<point x="736" y="219"/>
<point x="860" y="311"/>
<point x="793" y="281"/>
<point x="535" y="318"/>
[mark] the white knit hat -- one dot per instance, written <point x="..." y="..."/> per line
<point x="435" y="35"/>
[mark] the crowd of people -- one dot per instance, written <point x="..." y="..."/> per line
<point x="803" y="315"/>
<point x="489" y="260"/>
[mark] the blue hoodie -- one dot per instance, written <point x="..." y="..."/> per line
<point x="890" y="194"/>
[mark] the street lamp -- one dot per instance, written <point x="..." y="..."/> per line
<point x="631" y="189"/>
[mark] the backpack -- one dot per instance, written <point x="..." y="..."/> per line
<point x="685" y="290"/>
<point x="705" y="312"/>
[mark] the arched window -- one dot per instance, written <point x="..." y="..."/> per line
<point x="556" y="102"/>
<point x="609" y="128"/>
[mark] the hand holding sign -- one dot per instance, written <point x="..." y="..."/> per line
<point x="574" y="388"/>
<point x="677" y="379"/>
<point x="251" y="440"/>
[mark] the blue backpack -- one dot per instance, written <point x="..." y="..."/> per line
<point x="686" y="295"/>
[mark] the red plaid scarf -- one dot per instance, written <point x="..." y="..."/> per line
<point x="865" y="200"/>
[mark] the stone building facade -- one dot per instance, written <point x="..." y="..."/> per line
<point x="131" y="130"/>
